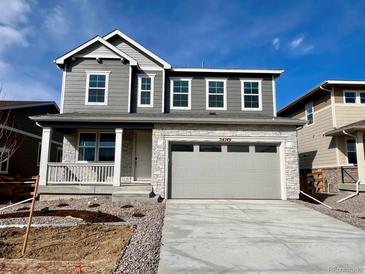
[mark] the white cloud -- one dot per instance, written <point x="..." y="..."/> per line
<point x="296" y="42"/>
<point x="276" y="43"/>
<point x="14" y="12"/>
<point x="56" y="22"/>
<point x="28" y="90"/>
<point x="12" y="36"/>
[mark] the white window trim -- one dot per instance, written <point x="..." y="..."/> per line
<point x="306" y="114"/>
<point x="106" y="73"/>
<point x="347" y="152"/>
<point x="207" y="80"/>
<point x="96" y="156"/>
<point x="243" y="81"/>
<point x="172" y="93"/>
<point x="357" y="97"/>
<point x="7" y="162"/>
<point x="152" y="77"/>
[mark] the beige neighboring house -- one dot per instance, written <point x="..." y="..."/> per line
<point x="332" y="139"/>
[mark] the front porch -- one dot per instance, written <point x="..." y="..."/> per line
<point x="99" y="161"/>
<point x="351" y="152"/>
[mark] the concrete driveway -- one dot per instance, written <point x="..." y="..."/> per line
<point x="231" y="236"/>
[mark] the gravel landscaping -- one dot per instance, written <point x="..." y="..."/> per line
<point x="351" y="211"/>
<point x="146" y="218"/>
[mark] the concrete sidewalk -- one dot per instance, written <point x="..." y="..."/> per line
<point x="222" y="236"/>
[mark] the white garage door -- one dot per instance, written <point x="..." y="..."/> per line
<point x="233" y="171"/>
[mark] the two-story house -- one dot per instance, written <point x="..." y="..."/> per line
<point x="134" y="124"/>
<point x="332" y="139"/>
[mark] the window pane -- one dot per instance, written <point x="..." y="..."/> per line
<point x="216" y="87"/>
<point x="309" y="119"/>
<point x="251" y="88"/>
<point x="350" y="97"/>
<point x="362" y="97"/>
<point x="145" y="83"/>
<point x="265" y="148"/>
<point x="145" y="97"/>
<point x="216" y="101"/>
<point x="182" y="147"/>
<point x="181" y="100"/>
<point x="106" y="154"/>
<point x="86" y="154"/>
<point x="251" y="101"/>
<point x="107" y="140"/>
<point x="87" y="139"/>
<point x="238" y="148"/>
<point x="181" y="86"/>
<point x="210" y="148"/>
<point x="96" y="95"/>
<point x="351" y="151"/>
<point x="97" y="80"/>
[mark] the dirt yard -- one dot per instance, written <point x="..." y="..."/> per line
<point x="141" y="255"/>
<point x="93" y="248"/>
<point x="351" y="211"/>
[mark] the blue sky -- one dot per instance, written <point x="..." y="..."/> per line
<point x="311" y="40"/>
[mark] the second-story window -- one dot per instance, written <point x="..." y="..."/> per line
<point x="97" y="88"/>
<point x="145" y="90"/>
<point x="216" y="94"/>
<point x="180" y="94"/>
<point x="350" y="97"/>
<point x="251" y="95"/>
<point x="309" y="113"/>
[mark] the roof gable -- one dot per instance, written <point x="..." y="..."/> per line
<point x="138" y="46"/>
<point x="61" y="60"/>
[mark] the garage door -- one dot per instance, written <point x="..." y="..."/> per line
<point x="246" y="171"/>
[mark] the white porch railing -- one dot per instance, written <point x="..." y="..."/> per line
<point x="80" y="173"/>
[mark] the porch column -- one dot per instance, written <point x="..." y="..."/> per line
<point x="45" y="151"/>
<point x="118" y="156"/>
<point x="360" y="156"/>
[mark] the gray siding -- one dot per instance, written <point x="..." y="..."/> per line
<point x="157" y="94"/>
<point x="75" y="87"/>
<point x="97" y="50"/>
<point x="139" y="56"/>
<point x="198" y="95"/>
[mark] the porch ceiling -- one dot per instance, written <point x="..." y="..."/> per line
<point x="350" y="128"/>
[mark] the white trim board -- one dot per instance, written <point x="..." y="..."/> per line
<point x="265" y="71"/>
<point x="243" y="81"/>
<point x="61" y="60"/>
<point x="28" y="134"/>
<point x="172" y="93"/>
<point x="106" y="88"/>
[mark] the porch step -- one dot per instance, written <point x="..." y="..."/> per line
<point x="135" y="187"/>
<point x="131" y="195"/>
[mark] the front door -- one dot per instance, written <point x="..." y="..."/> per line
<point x="143" y="155"/>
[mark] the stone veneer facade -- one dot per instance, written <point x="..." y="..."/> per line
<point x="287" y="134"/>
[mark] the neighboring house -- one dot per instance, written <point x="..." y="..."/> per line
<point x="28" y="135"/>
<point x="332" y="139"/>
<point x="133" y="123"/>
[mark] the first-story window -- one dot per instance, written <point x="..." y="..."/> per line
<point x="216" y="94"/>
<point x="350" y="97"/>
<point x="95" y="146"/>
<point x="351" y="151"/>
<point x="309" y="113"/>
<point x="362" y="97"/>
<point x="180" y="94"/>
<point x="59" y="154"/>
<point x="87" y="147"/>
<point x="4" y="161"/>
<point x="97" y="88"/>
<point x="251" y="95"/>
<point x="145" y="91"/>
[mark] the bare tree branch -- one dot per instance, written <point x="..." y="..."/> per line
<point x="9" y="140"/>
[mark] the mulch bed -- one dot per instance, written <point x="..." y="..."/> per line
<point x="351" y="211"/>
<point x="87" y="216"/>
